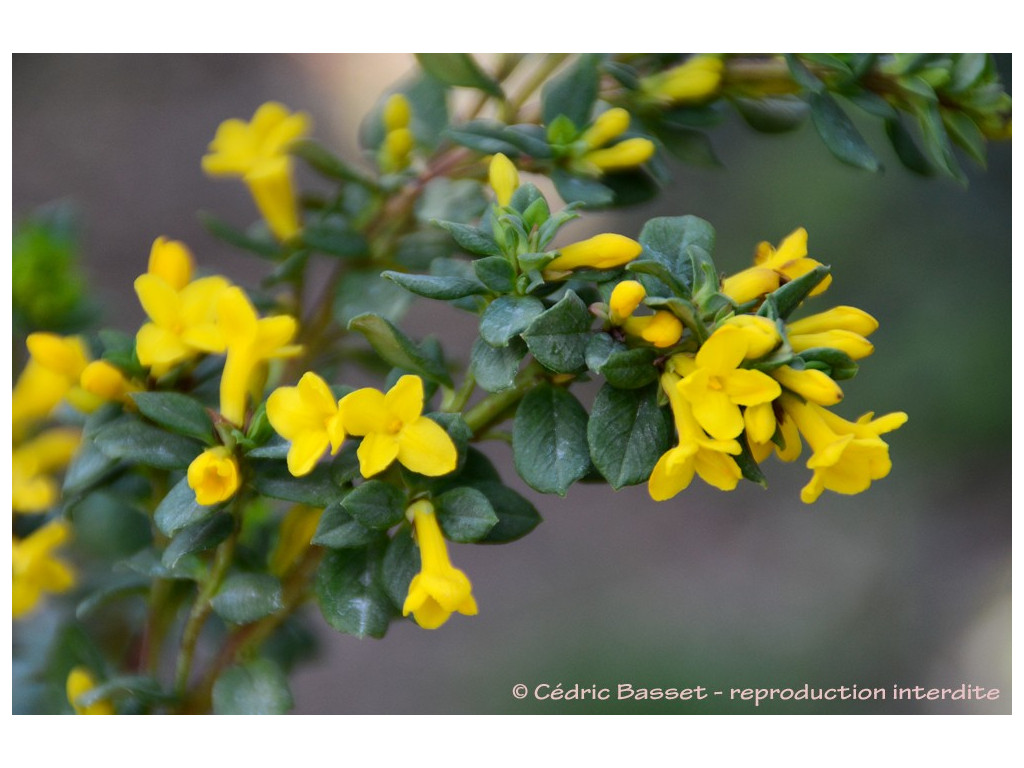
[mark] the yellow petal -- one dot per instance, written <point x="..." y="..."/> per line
<point x="762" y="334"/>
<point x="158" y="346"/>
<point x="171" y="261"/>
<point x="759" y="421"/>
<point x="853" y="344"/>
<point x="670" y="476"/>
<point x="503" y="178"/>
<point x="603" y="251"/>
<point x="750" y="284"/>
<point x="723" y="351"/>
<point x="718" y="415"/>
<point x="365" y="411"/>
<point x="404" y="401"/>
<point x="159" y="300"/>
<point x="306" y="450"/>
<point x="236" y="316"/>
<point x="747" y="387"/>
<point x="425" y="447"/>
<point x="718" y="469"/>
<point x="840" y="318"/>
<point x="624" y="155"/>
<point x="608" y="125"/>
<point x="270" y="183"/>
<point x="810" y="384"/>
<point x="376" y="453"/>
<point x="625" y="298"/>
<point x="273" y="334"/>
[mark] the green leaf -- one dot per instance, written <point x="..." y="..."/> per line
<point x="772" y="115"/>
<point x="839" y="134"/>
<point x="906" y="148"/>
<point x="444" y="199"/>
<point x="484" y="136"/>
<point x="89" y="466"/>
<point x="496" y="273"/>
<point x="530" y="139"/>
<point x="146" y="562"/>
<point x="627" y="434"/>
<point x="265" y="248"/>
<point x="178" y="413"/>
<point x="247" y="597"/>
<point x="581" y="189"/>
<point x="398" y="349"/>
<point x="508" y="316"/>
<point x="802" y="75"/>
<point x="558" y="337"/>
<point x="936" y="141"/>
<point x="838" y="365"/>
<point x="109" y="593"/>
<point x="140" y="687"/>
<point x="748" y="466"/>
<point x="632" y="187"/>
<point x="549" y="440"/>
<point x="459" y="69"/>
<point x="665" y="240"/>
<point x="401" y="562"/>
<point x="495" y="368"/>
<point x="966" y="134"/>
<point x="365" y="291"/>
<point x="179" y="509"/>
<point x="967" y="70"/>
<point x="339" y="530"/>
<point x="434" y="287"/>
<point x="689" y="146"/>
<point x="335" y="237"/>
<point x="465" y="514"/>
<point x="200" y="536"/>
<point x="351" y="594"/>
<point x="788" y="297"/>
<point x="130" y="439"/>
<point x="573" y="92"/>
<point x="630" y="368"/>
<point x="376" y="504"/>
<point x="272" y="478"/>
<point x="326" y="162"/>
<point x="258" y="687"/>
<point x="516" y="516"/>
<point x="471" y="239"/>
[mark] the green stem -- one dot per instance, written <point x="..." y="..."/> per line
<point x="455" y="399"/>
<point x="492" y="409"/>
<point x="540" y="76"/>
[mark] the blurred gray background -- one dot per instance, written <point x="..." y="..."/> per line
<point x="906" y="584"/>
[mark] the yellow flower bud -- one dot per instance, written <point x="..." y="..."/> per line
<point x="503" y="177"/>
<point x="606" y="127"/>
<point x="853" y="344"/>
<point x="394" y="153"/>
<point x="625" y="298"/>
<point x="106" y="382"/>
<point x="171" y="260"/>
<point x="599" y="252"/>
<point x="397" y="112"/>
<point x="626" y="154"/>
<point x="693" y="81"/>
<point x="750" y="284"/>
<point x="762" y="334"/>
<point x="810" y="384"/>
<point x="80" y="682"/>
<point x="836" y="319"/>
<point x="214" y="476"/>
<point x="662" y="329"/>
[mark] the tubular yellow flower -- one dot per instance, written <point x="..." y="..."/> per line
<point x="695" y="453"/>
<point x="503" y="178"/>
<point x="393" y="427"/>
<point x="716" y="386"/>
<point x="750" y="284"/>
<point x="625" y="298"/>
<point x="790" y="259"/>
<point x="106" y="382"/>
<point x="662" y="329"/>
<point x="34" y="490"/>
<point x="836" y="319"/>
<point x="810" y="384"/>
<point x="847" y="455"/>
<point x="760" y="443"/>
<point x="36" y="570"/>
<point x="80" y="682"/>
<point x="294" y="536"/>
<point x="694" y="81"/>
<point x="251" y="341"/>
<point x="853" y="344"/>
<point x="214" y="476"/>
<point x="308" y="416"/>
<point x="598" y="252"/>
<point x="258" y="153"/>
<point x="624" y="155"/>
<point x="762" y="334"/>
<point x="439" y="589"/>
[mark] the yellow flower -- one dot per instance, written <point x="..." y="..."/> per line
<point x="503" y="178"/>
<point x="625" y="298"/>
<point x="80" y="682"/>
<point x="847" y="455"/>
<point x="308" y="416"/>
<point x="106" y="381"/>
<point x="258" y="153"/>
<point x="759" y="437"/>
<point x="36" y="570"/>
<point x="214" y="476"/>
<point x="842" y="328"/>
<point x="810" y="384"/>
<point x="251" y="341"/>
<point x="393" y="426"/>
<point x="789" y="261"/>
<point x="762" y="334"/>
<point x="716" y="386"/>
<point x="34" y="490"/>
<point x="51" y="375"/>
<point x="439" y="589"/>
<point x="626" y="154"/>
<point x="695" y="453"/>
<point x="294" y="536"/>
<point x="662" y="329"/>
<point x="694" y="81"/>
<point x="598" y="252"/>
<point x="182" y="312"/>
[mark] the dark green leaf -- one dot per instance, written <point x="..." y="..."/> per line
<point x="573" y="92"/>
<point x="179" y="413"/>
<point x="471" y="239"/>
<point x="339" y="530"/>
<point x="966" y="134"/>
<point x="496" y="273"/>
<point x="398" y="349"/>
<point x="581" y="189"/>
<point x="265" y="248"/>
<point x="772" y="115"/>
<point x="802" y="75"/>
<point x="458" y="69"/>
<point x="444" y="199"/>
<point x="147" y="563"/>
<point x="434" y="287"/>
<point x="936" y="141"/>
<point x="630" y="368"/>
<point x="109" y="593"/>
<point x="508" y="316"/>
<point x="365" y="291"/>
<point x="350" y="592"/>
<point x="633" y="187"/>
<point x="272" y="478"/>
<point x="530" y="139"/>
<point x="839" y="134"/>
<point x="140" y="687"/>
<point x="558" y="337"/>
<point x="275" y="448"/>
<point x="247" y="597"/>
<point x="200" y="536"/>
<point x="750" y="469"/>
<point x="788" y="297"/>
<point x="258" y="687"/>
<point x="179" y="509"/>
<point x="689" y="146"/>
<point x="495" y="368"/>
<point x="549" y="440"/>
<point x="326" y="162"/>
<point x="484" y="136"/>
<point x="401" y="562"/>
<point x="967" y="70"/>
<point x="838" y="364"/>
<point x="873" y="104"/>
<point x="627" y="433"/>
<point x="335" y="237"/>
<point x="88" y="467"/>
<point x="130" y="439"/>
<point x="906" y="148"/>
<point x="465" y="514"/>
<point x="516" y="516"/>
<point x="376" y="504"/>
